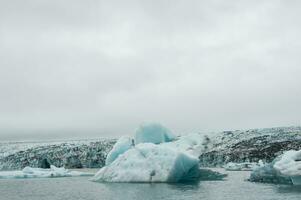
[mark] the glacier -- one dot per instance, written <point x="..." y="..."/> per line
<point x="250" y="145"/>
<point x="30" y="172"/>
<point x="221" y="148"/>
<point x="69" y="154"/>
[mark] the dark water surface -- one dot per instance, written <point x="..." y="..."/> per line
<point x="232" y="188"/>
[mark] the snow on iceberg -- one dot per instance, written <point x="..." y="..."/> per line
<point x="122" y="145"/>
<point x="29" y="172"/>
<point x="192" y="144"/>
<point x="150" y="163"/>
<point x="153" y="133"/>
<point x="290" y="165"/>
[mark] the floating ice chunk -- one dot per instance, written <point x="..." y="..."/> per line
<point x="122" y="145"/>
<point x="29" y="172"/>
<point x="39" y="172"/>
<point x="244" y="166"/>
<point x="268" y="174"/>
<point x="283" y="170"/>
<point x="150" y="163"/>
<point x="157" y="157"/>
<point x="153" y="133"/>
<point x="290" y="166"/>
<point x="290" y="163"/>
<point x="11" y="174"/>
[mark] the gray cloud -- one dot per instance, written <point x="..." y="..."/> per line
<point x="98" y="68"/>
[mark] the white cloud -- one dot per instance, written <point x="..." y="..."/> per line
<point x="107" y="66"/>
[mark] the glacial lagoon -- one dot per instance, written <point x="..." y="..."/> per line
<point x="232" y="187"/>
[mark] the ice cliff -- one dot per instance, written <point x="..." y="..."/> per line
<point x="250" y="145"/>
<point x="217" y="150"/>
<point x="72" y="154"/>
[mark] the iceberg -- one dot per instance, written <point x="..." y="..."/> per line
<point x="148" y="162"/>
<point x="156" y="155"/>
<point x="285" y="169"/>
<point x="29" y="172"/>
<point x="268" y="174"/>
<point x="153" y="133"/>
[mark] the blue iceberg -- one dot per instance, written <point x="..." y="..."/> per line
<point x="155" y="155"/>
<point x="268" y="174"/>
<point x="153" y="133"/>
<point x="150" y="163"/>
<point x="151" y="157"/>
<point x="122" y="145"/>
<point x="285" y="169"/>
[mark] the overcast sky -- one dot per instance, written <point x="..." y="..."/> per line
<point x="88" y="68"/>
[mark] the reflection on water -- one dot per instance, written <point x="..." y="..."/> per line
<point x="289" y="189"/>
<point x="234" y="187"/>
<point x="149" y="191"/>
